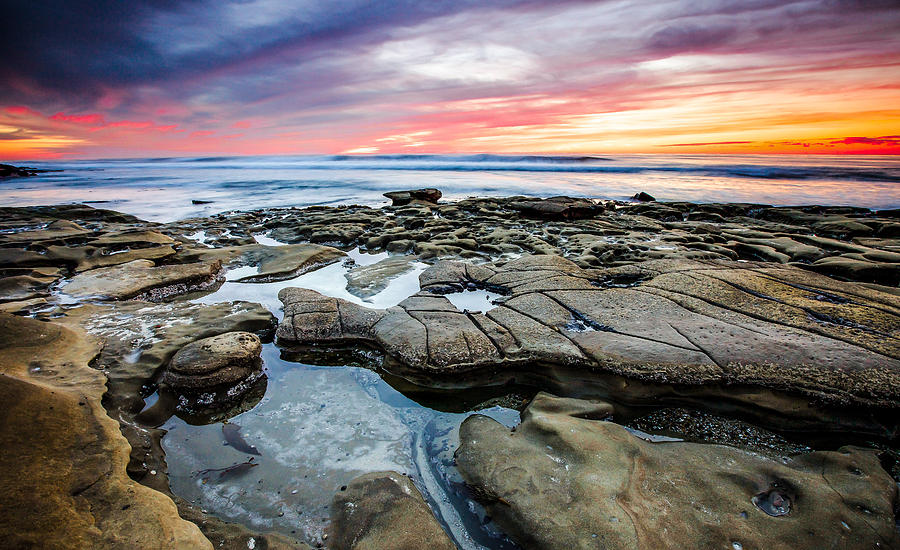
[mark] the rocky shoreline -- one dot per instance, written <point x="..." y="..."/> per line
<point x="672" y="320"/>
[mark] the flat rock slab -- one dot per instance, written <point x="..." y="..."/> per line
<point x="219" y="360"/>
<point x="669" y="321"/>
<point x="275" y="263"/>
<point x="384" y="510"/>
<point x="63" y="482"/>
<point x="567" y="479"/>
<point x="142" y="279"/>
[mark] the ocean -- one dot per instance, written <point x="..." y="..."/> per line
<point x="164" y="189"/>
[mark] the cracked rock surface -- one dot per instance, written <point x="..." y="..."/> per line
<point x="687" y="322"/>
<point x="567" y="479"/>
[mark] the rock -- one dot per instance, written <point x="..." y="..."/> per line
<point x="567" y="479"/>
<point x="275" y="263"/>
<point x="384" y="510"/>
<point x="63" y="481"/>
<point x="141" y="279"/>
<point x="222" y="360"/>
<point x="199" y="201"/>
<point x="401" y="198"/>
<point x="9" y="171"/>
<point x="670" y="321"/>
<point x="643" y="197"/>
<point x="558" y="208"/>
<point x="139" y="340"/>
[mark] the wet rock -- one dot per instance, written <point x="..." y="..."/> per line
<point x="9" y="171"/>
<point x="643" y="197"/>
<point x="384" y="510"/>
<point x="63" y="481"/>
<point x="222" y="360"/>
<point x="139" y="339"/>
<point x="142" y="279"/>
<point x="685" y="322"/>
<point x="703" y="427"/>
<point x="559" y="208"/>
<point x="565" y="478"/>
<point x="275" y="263"/>
<point x="402" y="198"/>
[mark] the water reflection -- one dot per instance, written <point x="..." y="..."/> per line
<point x="316" y="429"/>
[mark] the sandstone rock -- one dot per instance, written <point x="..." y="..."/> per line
<point x="276" y="263"/>
<point x="142" y="279"/>
<point x="677" y="322"/>
<point x="401" y="198"/>
<point x="384" y="510"/>
<point x="62" y="476"/>
<point x="567" y="479"/>
<point x="560" y="208"/>
<point x="220" y="360"/>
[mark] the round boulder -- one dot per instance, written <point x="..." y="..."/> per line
<point x="220" y="360"/>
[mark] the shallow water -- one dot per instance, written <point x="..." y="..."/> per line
<point x="329" y="280"/>
<point x="163" y="189"/>
<point x="475" y="301"/>
<point x="316" y="429"/>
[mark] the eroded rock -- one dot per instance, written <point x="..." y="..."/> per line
<point x="384" y="510"/>
<point x="402" y="198"/>
<point x="673" y="322"/>
<point x="565" y="478"/>
<point x="221" y="360"/>
<point x="63" y="480"/>
<point x="143" y="280"/>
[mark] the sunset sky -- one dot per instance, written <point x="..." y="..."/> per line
<point x="105" y="78"/>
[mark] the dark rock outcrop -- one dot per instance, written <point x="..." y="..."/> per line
<point x="643" y="197"/>
<point x="558" y="208"/>
<point x="402" y="198"/>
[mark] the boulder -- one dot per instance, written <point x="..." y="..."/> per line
<point x="222" y="360"/>
<point x="558" y="208"/>
<point x="402" y="198"/>
<point x="565" y="478"/>
<point x="643" y="197"/>
<point x="384" y="510"/>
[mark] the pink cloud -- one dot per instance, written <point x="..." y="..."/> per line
<point x="93" y="119"/>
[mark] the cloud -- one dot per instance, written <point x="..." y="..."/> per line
<point x="691" y="37"/>
<point x="883" y="140"/>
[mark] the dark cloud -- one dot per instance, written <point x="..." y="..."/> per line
<point x="690" y="37"/>
<point x="78" y="47"/>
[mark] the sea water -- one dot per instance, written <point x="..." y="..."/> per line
<point x="164" y="189"/>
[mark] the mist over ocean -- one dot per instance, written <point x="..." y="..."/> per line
<point x="162" y="189"/>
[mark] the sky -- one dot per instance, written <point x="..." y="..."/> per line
<point x="148" y="78"/>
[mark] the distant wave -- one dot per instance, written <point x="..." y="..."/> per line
<point x="561" y="159"/>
